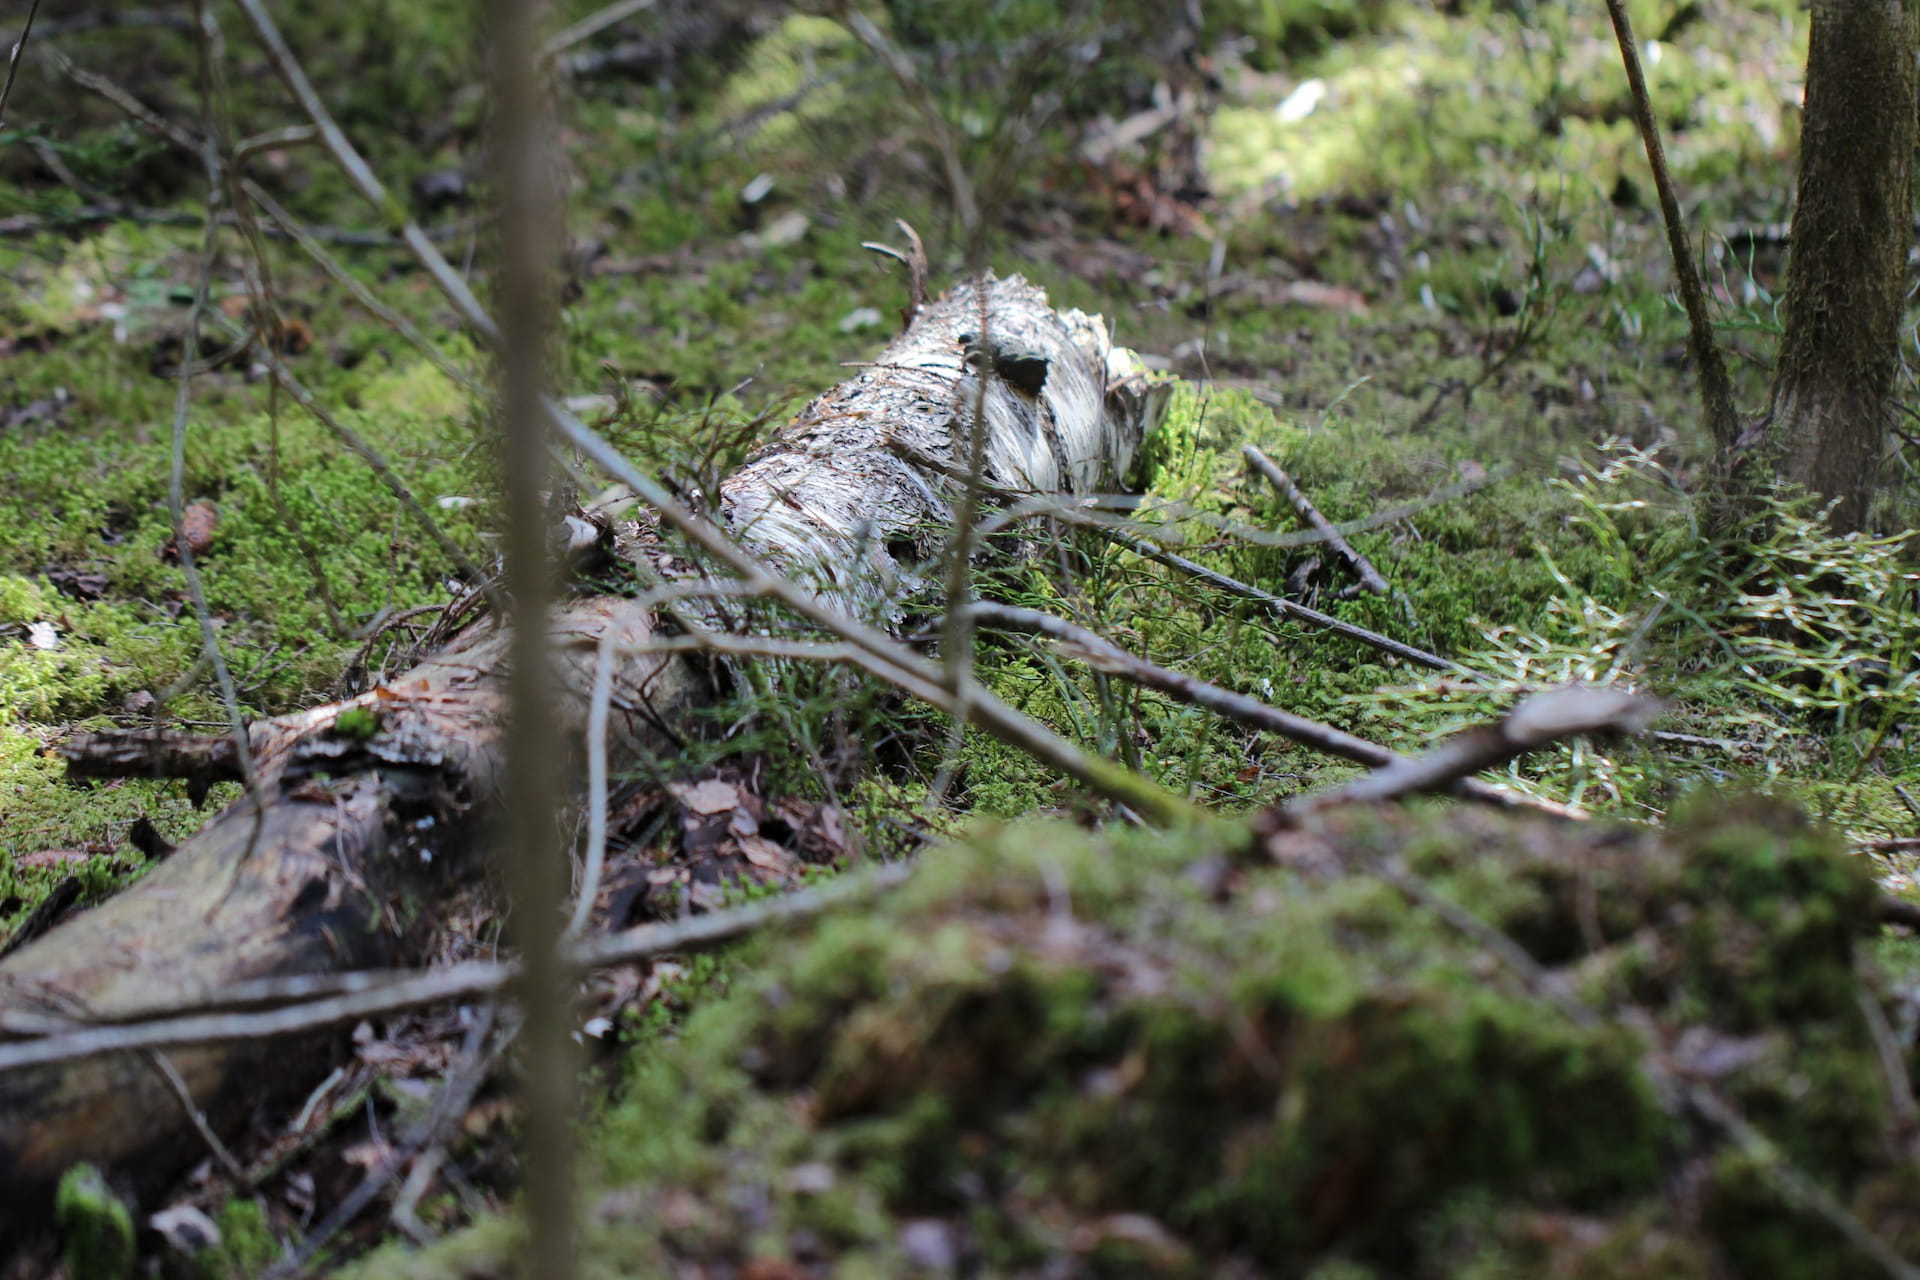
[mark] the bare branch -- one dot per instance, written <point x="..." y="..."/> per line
<point x="590" y="26"/>
<point x="1283" y="607"/>
<point x="1362" y="567"/>
<point x="946" y="138"/>
<point x="13" y="60"/>
<point x="365" y="994"/>
<point x="1103" y="654"/>
<point x="596" y="788"/>
<point x="1538" y="721"/>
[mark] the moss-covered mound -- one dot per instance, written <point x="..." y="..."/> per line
<point x="1057" y="1055"/>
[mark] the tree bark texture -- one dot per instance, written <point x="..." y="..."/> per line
<point x="350" y="838"/>
<point x="1847" y="274"/>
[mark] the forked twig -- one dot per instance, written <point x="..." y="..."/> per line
<point x="914" y="258"/>
<point x="1362" y="567"/>
<point x="1280" y="605"/>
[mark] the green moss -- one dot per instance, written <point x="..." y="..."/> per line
<point x="247" y="1244"/>
<point x="1556" y="110"/>
<point x="96" y="1228"/>
<point x="1063" y="1047"/>
<point x="357" y="722"/>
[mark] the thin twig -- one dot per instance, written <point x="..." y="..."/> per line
<point x="945" y="136"/>
<point x="197" y="1118"/>
<point x="957" y="627"/>
<point x="596" y="786"/>
<point x="1665" y="1079"/>
<point x="13" y="61"/>
<point x="1788" y="1178"/>
<point x="372" y="994"/>
<point x="1090" y="512"/>
<point x="1539" y="721"/>
<point x="1900" y="1100"/>
<point x="591" y="25"/>
<point x="377" y="461"/>
<point x="463" y="1080"/>
<point x="24" y="224"/>
<point x="361" y="175"/>
<point x="1104" y="654"/>
<point x="527" y="190"/>
<point x="257" y="269"/>
<point x="449" y="1110"/>
<point x="1362" y="567"/>
<point x="1283" y="607"/>
<point x="1716" y="388"/>
<point x="215" y="171"/>
<point x="303" y="236"/>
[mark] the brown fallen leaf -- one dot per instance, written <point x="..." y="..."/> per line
<point x="764" y="853"/>
<point x="197" y="525"/>
<point x="709" y="797"/>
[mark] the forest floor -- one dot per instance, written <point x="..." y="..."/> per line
<point x="1419" y="265"/>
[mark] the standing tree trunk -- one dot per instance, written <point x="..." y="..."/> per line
<point x="1846" y="279"/>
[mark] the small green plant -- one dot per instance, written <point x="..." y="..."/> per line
<point x="1791" y="644"/>
<point x="95" y="1226"/>
<point x="360" y="723"/>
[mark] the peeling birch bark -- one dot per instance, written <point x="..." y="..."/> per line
<point x="351" y="837"/>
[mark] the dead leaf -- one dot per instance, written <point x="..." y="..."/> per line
<point x="197" y="525"/>
<point x="709" y="797"/>
<point x="1323" y="296"/>
<point x="764" y="853"/>
<point x="44" y="858"/>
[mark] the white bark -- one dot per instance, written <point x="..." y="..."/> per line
<point x="353" y="825"/>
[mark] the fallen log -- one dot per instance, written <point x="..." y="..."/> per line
<point x="362" y="816"/>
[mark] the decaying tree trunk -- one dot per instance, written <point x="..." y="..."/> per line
<point x="362" y="815"/>
<point x="1847" y="276"/>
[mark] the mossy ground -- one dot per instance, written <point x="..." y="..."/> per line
<point x="1447" y="271"/>
<point x="1058" y="1054"/>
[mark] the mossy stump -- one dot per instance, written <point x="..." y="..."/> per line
<point x="1061" y="1055"/>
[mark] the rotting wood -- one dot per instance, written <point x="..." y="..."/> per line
<point x="364" y="825"/>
